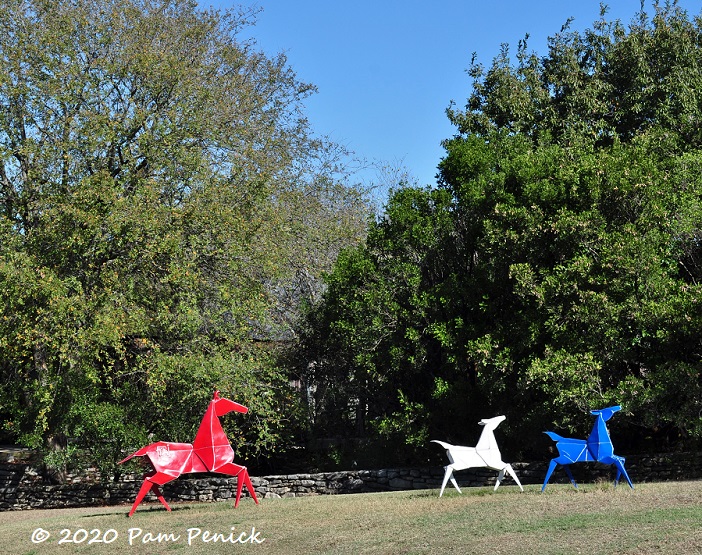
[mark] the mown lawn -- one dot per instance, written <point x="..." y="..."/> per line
<point x="597" y="518"/>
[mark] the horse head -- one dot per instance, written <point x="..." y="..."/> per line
<point x="492" y="423"/>
<point x="607" y="413"/>
<point x="223" y="406"/>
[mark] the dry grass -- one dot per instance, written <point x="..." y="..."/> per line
<point x="654" y="518"/>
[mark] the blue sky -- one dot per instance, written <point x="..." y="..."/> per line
<point x="387" y="70"/>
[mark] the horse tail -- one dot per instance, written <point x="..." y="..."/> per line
<point x="554" y="436"/>
<point x="140" y="453"/>
<point x="442" y="443"/>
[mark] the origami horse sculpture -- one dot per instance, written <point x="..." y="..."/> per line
<point x="209" y="452"/>
<point x="484" y="454"/>
<point x="597" y="447"/>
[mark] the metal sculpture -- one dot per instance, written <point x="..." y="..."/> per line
<point x="596" y="448"/>
<point x="484" y="454"/>
<point x="209" y="452"/>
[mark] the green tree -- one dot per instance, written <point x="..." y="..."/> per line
<point x="576" y="167"/>
<point x="152" y="167"/>
<point x="565" y="260"/>
<point x="373" y="353"/>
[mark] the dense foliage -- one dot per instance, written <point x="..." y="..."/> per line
<point x="164" y="208"/>
<point x="554" y="269"/>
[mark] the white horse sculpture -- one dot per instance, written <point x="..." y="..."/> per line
<point x="484" y="454"/>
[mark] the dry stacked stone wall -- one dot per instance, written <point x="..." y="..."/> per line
<point x="22" y="486"/>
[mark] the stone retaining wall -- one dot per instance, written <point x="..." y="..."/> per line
<point x="23" y="487"/>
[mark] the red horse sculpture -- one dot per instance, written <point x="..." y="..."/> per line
<point x="209" y="452"/>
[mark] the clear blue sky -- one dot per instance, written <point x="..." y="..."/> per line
<point x="386" y="70"/>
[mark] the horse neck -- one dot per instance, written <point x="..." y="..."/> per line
<point x="487" y="440"/>
<point x="600" y="433"/>
<point x="210" y="427"/>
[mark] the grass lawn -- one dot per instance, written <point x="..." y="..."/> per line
<point x="597" y="518"/>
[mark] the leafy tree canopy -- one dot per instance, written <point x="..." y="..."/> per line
<point x="556" y="266"/>
<point x="161" y="203"/>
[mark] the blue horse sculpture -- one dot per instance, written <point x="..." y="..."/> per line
<point x="596" y="448"/>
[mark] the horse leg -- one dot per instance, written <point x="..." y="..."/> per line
<point x="145" y="488"/>
<point x="157" y="492"/>
<point x="455" y="484"/>
<point x="242" y="477"/>
<point x="511" y="472"/>
<point x="500" y="476"/>
<point x="448" y="475"/>
<point x="619" y="463"/>
<point x="570" y="475"/>
<point x="152" y="481"/>
<point x="551" y="467"/>
<point x="448" y="470"/>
